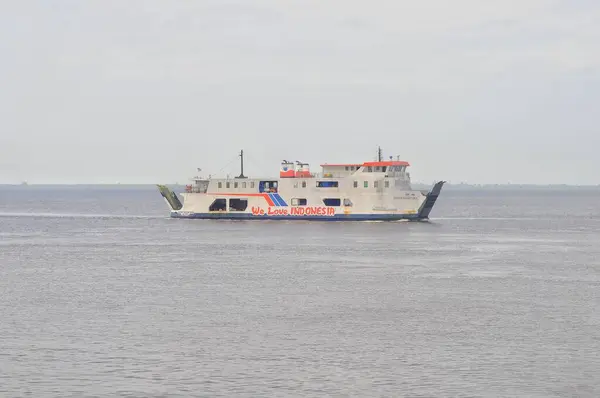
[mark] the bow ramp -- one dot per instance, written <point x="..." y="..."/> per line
<point x="430" y="200"/>
<point x="170" y="197"/>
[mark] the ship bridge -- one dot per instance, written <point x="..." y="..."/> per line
<point x="390" y="168"/>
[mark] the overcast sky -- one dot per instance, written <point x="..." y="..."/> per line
<point x="147" y="91"/>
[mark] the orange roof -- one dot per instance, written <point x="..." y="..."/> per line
<point x="387" y="163"/>
<point x="372" y="164"/>
<point x="342" y="164"/>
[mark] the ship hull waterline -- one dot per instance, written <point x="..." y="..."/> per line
<point x="336" y="217"/>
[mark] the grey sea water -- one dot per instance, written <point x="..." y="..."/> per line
<point x="102" y="295"/>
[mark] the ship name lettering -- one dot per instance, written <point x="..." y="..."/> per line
<point x="313" y="211"/>
<point x="277" y="212"/>
<point x="294" y="211"/>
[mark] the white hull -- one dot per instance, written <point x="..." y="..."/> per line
<point x="373" y="191"/>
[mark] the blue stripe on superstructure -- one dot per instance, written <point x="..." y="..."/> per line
<point x="275" y="198"/>
<point x="281" y="200"/>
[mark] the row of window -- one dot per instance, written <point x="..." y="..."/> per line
<point x="327" y="202"/>
<point x="241" y="204"/>
<point x="377" y="168"/>
<point x="386" y="184"/>
<point x="383" y="169"/>
<point x="235" y="184"/>
<point x="235" y="204"/>
<point x="320" y="184"/>
<point x="334" y="184"/>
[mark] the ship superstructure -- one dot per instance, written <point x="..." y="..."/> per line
<point x="377" y="190"/>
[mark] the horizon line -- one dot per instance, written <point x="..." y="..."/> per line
<point x="448" y="183"/>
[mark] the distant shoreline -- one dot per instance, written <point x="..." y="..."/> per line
<point x="466" y="187"/>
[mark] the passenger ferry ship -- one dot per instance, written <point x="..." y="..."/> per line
<point x="370" y="191"/>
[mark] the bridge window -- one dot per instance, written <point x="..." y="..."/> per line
<point x="219" y="204"/>
<point x="355" y="184"/>
<point x="251" y="184"/>
<point x="347" y="168"/>
<point x="370" y="169"/>
<point x="267" y="186"/>
<point x="303" y="184"/>
<point x="366" y="184"/>
<point x="298" y="201"/>
<point x="227" y="184"/>
<point x="235" y="184"/>
<point x="236" y="204"/>
<point x="244" y="184"/>
<point x="327" y="184"/>
<point x="332" y="201"/>
<point x="220" y="185"/>
<point x="295" y="184"/>
<point x="387" y="184"/>
<point x="375" y="184"/>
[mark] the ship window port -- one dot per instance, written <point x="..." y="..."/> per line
<point x="332" y="202"/>
<point x="327" y="184"/>
<point x="237" y="204"/>
<point x="303" y="184"/>
<point x="219" y="204"/>
<point x="267" y="186"/>
<point x="298" y="201"/>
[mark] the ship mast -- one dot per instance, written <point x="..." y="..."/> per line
<point x="379" y="155"/>
<point x="241" y="165"/>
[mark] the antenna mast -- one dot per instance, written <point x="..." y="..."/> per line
<point x="379" y="156"/>
<point x="241" y="165"/>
